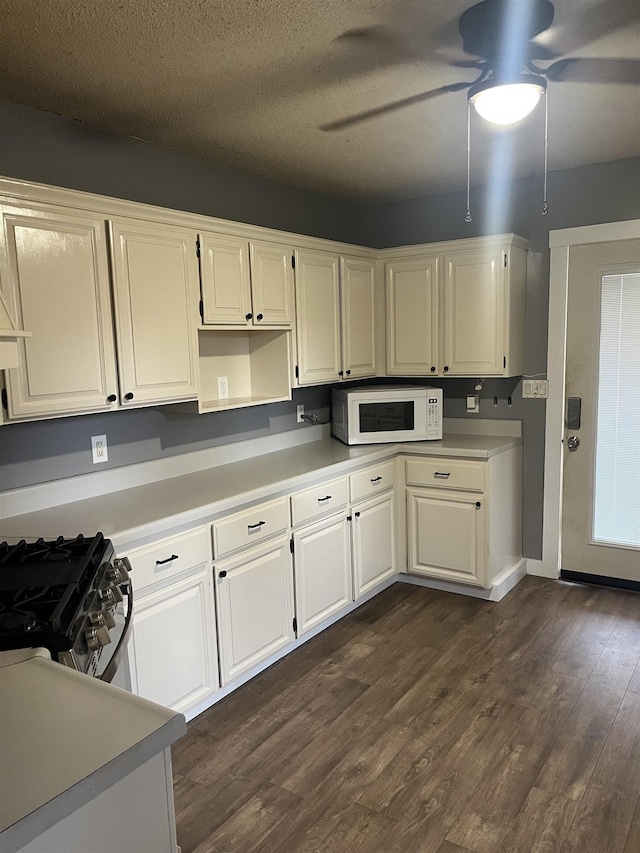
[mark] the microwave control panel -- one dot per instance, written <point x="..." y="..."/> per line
<point x="433" y="416"/>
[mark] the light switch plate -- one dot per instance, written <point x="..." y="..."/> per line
<point x="535" y="388"/>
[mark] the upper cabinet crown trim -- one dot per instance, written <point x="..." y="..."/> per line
<point x="465" y="244"/>
<point x="16" y="192"/>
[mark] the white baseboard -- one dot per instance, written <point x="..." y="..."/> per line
<point x="540" y="569"/>
<point x="504" y="584"/>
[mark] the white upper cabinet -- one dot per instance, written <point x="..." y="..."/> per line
<point x="457" y="309"/>
<point x="335" y="317"/>
<point x="272" y="284"/>
<point x="244" y="284"/>
<point x="473" y="314"/>
<point x="318" y="317"/>
<point x="155" y="287"/>
<point x="226" y="284"/>
<point x="412" y="297"/>
<point x="55" y="278"/>
<point x="358" y="317"/>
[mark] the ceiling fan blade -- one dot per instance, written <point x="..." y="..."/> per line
<point x="396" y="105"/>
<point x="590" y="24"/>
<point x="596" y="70"/>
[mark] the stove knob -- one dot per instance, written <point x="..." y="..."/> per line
<point x="110" y="596"/>
<point x="120" y="570"/>
<point x="97" y="619"/>
<point x="97" y="638"/>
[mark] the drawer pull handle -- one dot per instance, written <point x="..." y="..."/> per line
<point x="222" y="574"/>
<point x="255" y="526"/>
<point x="376" y="479"/>
<point x="168" y="560"/>
<point x="442" y="475"/>
<point x="326" y="498"/>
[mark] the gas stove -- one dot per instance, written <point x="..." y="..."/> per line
<point x="66" y="595"/>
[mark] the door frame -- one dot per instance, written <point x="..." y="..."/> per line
<point x="560" y="241"/>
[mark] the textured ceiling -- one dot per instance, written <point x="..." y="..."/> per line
<point x="249" y="83"/>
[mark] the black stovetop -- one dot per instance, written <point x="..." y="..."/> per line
<point x="47" y="587"/>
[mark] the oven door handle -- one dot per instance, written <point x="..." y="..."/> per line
<point x="114" y="663"/>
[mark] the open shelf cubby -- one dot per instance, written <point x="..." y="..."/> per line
<point x="256" y="363"/>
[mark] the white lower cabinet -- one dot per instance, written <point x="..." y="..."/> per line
<point x="322" y="560"/>
<point x="446" y="536"/>
<point x="173" y="656"/>
<point x="373" y="543"/>
<point x="254" y="599"/>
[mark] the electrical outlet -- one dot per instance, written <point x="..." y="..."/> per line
<point x="300" y="413"/>
<point x="99" y="448"/>
<point x="223" y="387"/>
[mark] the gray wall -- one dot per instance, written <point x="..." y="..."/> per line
<point x="50" y="149"/>
<point x="604" y="192"/>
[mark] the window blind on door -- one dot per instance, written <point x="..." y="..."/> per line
<point x="616" y="517"/>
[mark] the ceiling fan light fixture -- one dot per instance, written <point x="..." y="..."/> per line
<point x="509" y="102"/>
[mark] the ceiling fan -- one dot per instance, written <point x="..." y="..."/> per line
<point x="500" y="36"/>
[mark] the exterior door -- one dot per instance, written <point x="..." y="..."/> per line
<point x="601" y="470"/>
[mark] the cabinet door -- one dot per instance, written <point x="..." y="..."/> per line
<point x="224" y="273"/>
<point x="322" y="564"/>
<point x="255" y="607"/>
<point x="317" y="318"/>
<point x="447" y="536"/>
<point x="357" y="286"/>
<point x="173" y="651"/>
<point x="373" y="543"/>
<point x="412" y="317"/>
<point x="473" y="314"/>
<point x="56" y="265"/>
<point x="156" y="287"/>
<point x="272" y="284"/>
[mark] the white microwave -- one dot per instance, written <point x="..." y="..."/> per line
<point x="386" y="414"/>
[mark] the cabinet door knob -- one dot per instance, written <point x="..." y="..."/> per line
<point x="128" y="396"/>
<point x="348" y="373"/>
<point x="433" y="370"/>
<point x="446" y="369"/>
<point x="248" y="316"/>
<point x="341" y="373"/>
<point x="260" y="316"/>
<point x="478" y="503"/>
<point x="357" y="514"/>
<point x="111" y="398"/>
<point x="222" y="574"/>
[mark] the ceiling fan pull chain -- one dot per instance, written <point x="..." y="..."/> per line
<point x="545" y="208"/>
<point x="468" y="217"/>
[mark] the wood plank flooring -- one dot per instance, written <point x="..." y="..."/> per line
<point x="427" y="722"/>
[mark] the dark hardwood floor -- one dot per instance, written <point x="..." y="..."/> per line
<point x="431" y="722"/>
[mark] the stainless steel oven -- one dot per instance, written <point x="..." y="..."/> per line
<point x="71" y="596"/>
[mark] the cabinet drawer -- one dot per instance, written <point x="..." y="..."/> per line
<point x="168" y="558"/>
<point x="319" y="500"/>
<point x="446" y="474"/>
<point x="244" y="529"/>
<point x="372" y="480"/>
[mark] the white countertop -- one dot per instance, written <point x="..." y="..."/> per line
<point x="65" y="738"/>
<point x="144" y="511"/>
